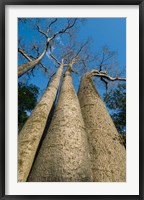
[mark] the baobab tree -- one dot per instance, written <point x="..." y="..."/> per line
<point x="82" y="143"/>
<point x="30" y="135"/>
<point x="108" y="156"/>
<point x="64" y="155"/>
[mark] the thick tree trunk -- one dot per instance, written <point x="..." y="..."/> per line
<point x="30" y="135"/>
<point x="108" y="156"/>
<point x="64" y="155"/>
<point x="22" y="69"/>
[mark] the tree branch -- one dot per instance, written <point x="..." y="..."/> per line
<point x="106" y="76"/>
<point x="42" y="32"/>
<point x="42" y="66"/>
<point x="28" y="58"/>
<point x="53" y="57"/>
<point x="64" y="30"/>
<point x="106" y="83"/>
<point x="24" y="54"/>
<point x="82" y="46"/>
<point x="52" y="22"/>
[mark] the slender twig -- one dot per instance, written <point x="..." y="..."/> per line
<point x="53" y="57"/>
<point x="42" y="32"/>
<point x="52" y="22"/>
<point x="42" y="66"/>
<point x="106" y="83"/>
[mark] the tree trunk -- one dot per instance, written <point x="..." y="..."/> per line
<point x="30" y="135"/>
<point x="64" y="155"/>
<point x="108" y="156"/>
<point x="22" y="69"/>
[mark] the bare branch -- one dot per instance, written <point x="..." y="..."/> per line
<point x="52" y="22"/>
<point x="24" y="54"/>
<point x="108" y="57"/>
<point x="42" y="66"/>
<point x="28" y="58"/>
<point x="53" y="57"/>
<point x="80" y="50"/>
<point x="106" y="76"/>
<point x="42" y="32"/>
<point x="100" y="67"/>
<point x="106" y="83"/>
<point x="64" y="30"/>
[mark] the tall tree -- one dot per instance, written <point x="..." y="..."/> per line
<point x="34" y="127"/>
<point x="64" y="155"/>
<point x="30" y="135"/>
<point x="108" y="156"/>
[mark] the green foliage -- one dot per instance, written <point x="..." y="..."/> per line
<point x="116" y="102"/>
<point x="27" y="99"/>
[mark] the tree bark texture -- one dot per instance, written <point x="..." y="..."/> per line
<point x="22" y="69"/>
<point x="64" y="155"/>
<point x="30" y="135"/>
<point x="108" y="156"/>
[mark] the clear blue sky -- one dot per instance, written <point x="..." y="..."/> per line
<point x="109" y="32"/>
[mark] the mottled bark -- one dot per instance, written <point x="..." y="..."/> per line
<point x="64" y="155"/>
<point x="30" y="135"/>
<point x="22" y="69"/>
<point x="108" y="156"/>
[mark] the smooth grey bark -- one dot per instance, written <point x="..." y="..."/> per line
<point x="64" y="155"/>
<point x="108" y="156"/>
<point x="30" y="135"/>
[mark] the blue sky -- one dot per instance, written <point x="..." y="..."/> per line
<point x="107" y="31"/>
<point x="110" y="32"/>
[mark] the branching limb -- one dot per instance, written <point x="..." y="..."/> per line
<point x="78" y="52"/>
<point x="53" y="57"/>
<point x="106" y="83"/>
<point x="23" y="68"/>
<point x="52" y="22"/>
<point x="28" y="57"/>
<point x="24" y="54"/>
<point x="70" y="25"/>
<point x="100" y="67"/>
<point x="106" y="76"/>
<point x="42" y="66"/>
<point x="42" y="32"/>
